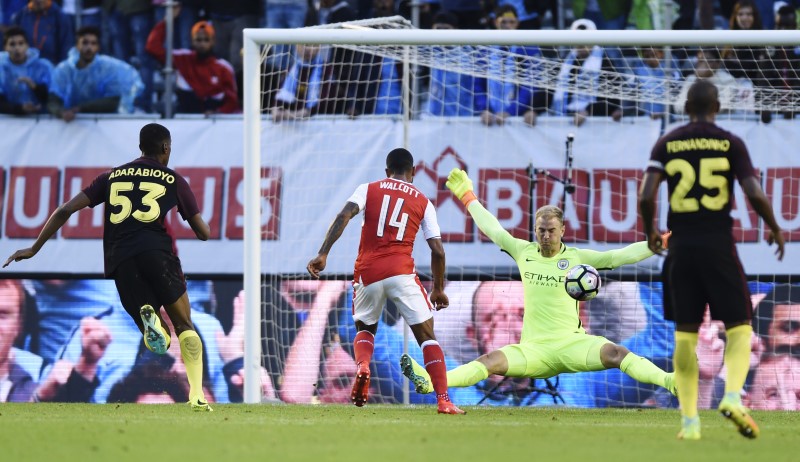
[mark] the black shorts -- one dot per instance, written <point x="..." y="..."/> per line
<point x="698" y="275"/>
<point x="151" y="278"/>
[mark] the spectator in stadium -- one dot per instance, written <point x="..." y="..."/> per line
<point x="605" y="14"/>
<point x="652" y="78"/>
<point x="702" y="232"/>
<point x="7" y="10"/>
<point x="776" y="385"/>
<point x="90" y="13"/>
<point x="552" y="340"/>
<point x="709" y="68"/>
<point x="335" y="11"/>
<point x="385" y="270"/>
<point x="471" y="14"/>
<point x="186" y="14"/>
<point x="506" y="97"/>
<point x="25" y="376"/>
<point x="205" y="83"/>
<point x="131" y="22"/>
<point x="777" y="320"/>
<point x="452" y="93"/>
<point x="89" y="82"/>
<point x="230" y="18"/>
<point x="24" y="76"/>
<point x="750" y="63"/>
<point x="48" y="29"/>
<point x="284" y="14"/>
<point x="310" y="87"/>
<point x="135" y="238"/>
<point x="583" y="66"/>
<point x="786" y="59"/>
<point x="373" y="84"/>
<point x="527" y="13"/>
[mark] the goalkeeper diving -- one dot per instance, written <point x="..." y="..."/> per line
<point x="553" y="341"/>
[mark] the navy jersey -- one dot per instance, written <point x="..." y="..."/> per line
<point x="137" y="198"/>
<point x="701" y="161"/>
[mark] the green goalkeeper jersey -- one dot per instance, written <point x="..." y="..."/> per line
<point x="549" y="310"/>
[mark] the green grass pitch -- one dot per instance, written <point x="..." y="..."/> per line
<point x="380" y="433"/>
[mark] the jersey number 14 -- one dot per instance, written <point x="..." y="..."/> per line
<point x="397" y="220"/>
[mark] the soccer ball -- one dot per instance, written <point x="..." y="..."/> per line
<point x="582" y="282"/>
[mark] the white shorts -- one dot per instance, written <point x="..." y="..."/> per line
<point x="404" y="290"/>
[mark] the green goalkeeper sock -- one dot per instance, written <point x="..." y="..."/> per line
<point x="192" y="354"/>
<point x="643" y="370"/>
<point x="467" y="374"/>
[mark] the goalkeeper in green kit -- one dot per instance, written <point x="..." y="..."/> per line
<point x="553" y="340"/>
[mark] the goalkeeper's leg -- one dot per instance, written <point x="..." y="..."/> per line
<point x="637" y="367"/>
<point x="462" y="376"/>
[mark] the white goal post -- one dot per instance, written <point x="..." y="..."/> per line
<point x="256" y="41"/>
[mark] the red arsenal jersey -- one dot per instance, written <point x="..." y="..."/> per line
<point x="393" y="213"/>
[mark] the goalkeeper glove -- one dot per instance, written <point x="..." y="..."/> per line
<point x="459" y="183"/>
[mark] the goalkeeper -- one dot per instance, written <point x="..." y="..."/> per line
<point x="552" y="340"/>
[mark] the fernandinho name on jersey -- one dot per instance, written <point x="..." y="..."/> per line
<point x="698" y="144"/>
<point x="145" y="172"/>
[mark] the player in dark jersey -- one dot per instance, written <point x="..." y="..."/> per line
<point x="700" y="162"/>
<point x="394" y="210"/>
<point x="137" y="249"/>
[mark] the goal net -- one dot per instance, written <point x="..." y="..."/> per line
<point x="565" y="118"/>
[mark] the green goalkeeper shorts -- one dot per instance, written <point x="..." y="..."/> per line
<point x="548" y="357"/>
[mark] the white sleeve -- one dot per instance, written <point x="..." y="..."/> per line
<point x="359" y="197"/>
<point x="430" y="225"/>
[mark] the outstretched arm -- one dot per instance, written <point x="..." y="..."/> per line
<point x="54" y="223"/>
<point x="459" y="183"/>
<point x="610" y="259"/>
<point x="761" y="205"/>
<point x="318" y="263"/>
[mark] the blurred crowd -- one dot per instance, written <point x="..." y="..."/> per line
<point x="110" y="57"/>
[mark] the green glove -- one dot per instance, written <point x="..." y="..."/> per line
<point x="459" y="183"/>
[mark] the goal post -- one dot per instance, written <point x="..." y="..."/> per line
<point x="344" y="143"/>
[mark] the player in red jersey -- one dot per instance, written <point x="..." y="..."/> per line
<point x="394" y="210"/>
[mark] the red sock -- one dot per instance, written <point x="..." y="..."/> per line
<point x="363" y="346"/>
<point x="434" y="364"/>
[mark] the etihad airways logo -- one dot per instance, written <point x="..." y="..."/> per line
<point x="544" y="280"/>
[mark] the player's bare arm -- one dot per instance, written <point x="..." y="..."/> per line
<point x="438" y="297"/>
<point x="317" y="264"/>
<point x="647" y="208"/>
<point x="200" y="227"/>
<point x="54" y="223"/>
<point x="752" y="189"/>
